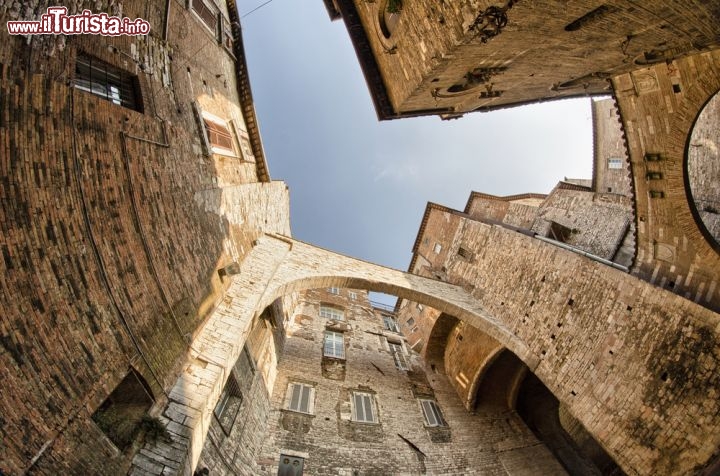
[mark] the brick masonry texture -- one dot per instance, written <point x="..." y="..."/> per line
<point x="110" y="239"/>
<point x="538" y="55"/>
<point x="126" y="244"/>
<point x="487" y="443"/>
<point x="608" y="344"/>
<point x="659" y="105"/>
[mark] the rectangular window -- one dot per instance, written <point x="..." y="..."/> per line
<point x="464" y="253"/>
<point x="334" y="345"/>
<point x="353" y="295"/>
<point x="108" y="82"/>
<point x="335" y="291"/>
<point x="246" y="147"/>
<point x="615" y="163"/>
<point x="399" y="356"/>
<point x="363" y="409"/>
<point x="208" y="13"/>
<point x="291" y="465"/>
<point x="438" y="248"/>
<point x="301" y="398"/>
<point x="219" y="136"/>
<point x="420" y="307"/>
<point x="411" y="322"/>
<point x="229" y="404"/>
<point x="390" y="324"/>
<point x="433" y="417"/>
<point x="227" y="37"/>
<point x="332" y="313"/>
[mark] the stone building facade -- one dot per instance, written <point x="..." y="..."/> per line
<point x="120" y="208"/>
<point x="478" y="55"/>
<point x="351" y="398"/>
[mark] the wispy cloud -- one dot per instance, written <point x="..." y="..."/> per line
<point x="396" y="171"/>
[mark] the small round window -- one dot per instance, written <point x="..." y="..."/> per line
<point x="703" y="167"/>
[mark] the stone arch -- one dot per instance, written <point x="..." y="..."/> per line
<point x="278" y="266"/>
<point x="663" y="206"/>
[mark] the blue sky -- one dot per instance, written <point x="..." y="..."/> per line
<point x="359" y="186"/>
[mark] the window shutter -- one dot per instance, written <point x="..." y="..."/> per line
<point x="295" y="399"/>
<point x="368" y="409"/>
<point x="305" y="399"/>
<point x="359" y="413"/>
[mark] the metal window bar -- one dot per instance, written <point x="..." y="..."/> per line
<point x="106" y="81"/>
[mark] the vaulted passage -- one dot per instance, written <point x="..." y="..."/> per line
<point x="278" y="266"/>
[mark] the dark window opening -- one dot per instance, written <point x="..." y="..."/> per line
<point x="121" y="414"/>
<point x="228" y="406"/>
<point x="559" y="232"/>
<point x="108" y="82"/>
<point x="653" y="175"/>
<point x="657" y="194"/>
<point x="463" y="253"/>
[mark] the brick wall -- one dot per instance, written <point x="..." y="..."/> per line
<point x="659" y="105"/>
<point x="605" y="341"/>
<point x="332" y="444"/>
<point x="110" y="254"/>
<point x="547" y="50"/>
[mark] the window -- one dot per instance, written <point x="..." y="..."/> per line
<point x="353" y="295"/>
<point x="108" y="82"/>
<point x="246" y="147"/>
<point x="411" y="322"/>
<point x="464" y="253"/>
<point x="335" y="291"/>
<point x="363" y="408"/>
<point x="390" y="323"/>
<point x="438" y="248"/>
<point x="332" y="313"/>
<point x="122" y="412"/>
<point x="420" y="307"/>
<point x="414" y="329"/>
<point x="334" y="345"/>
<point x="399" y="356"/>
<point x="615" y="163"/>
<point x="301" y="398"/>
<point x="219" y="136"/>
<point x="226" y="38"/>
<point x="291" y="465"/>
<point x="433" y="417"/>
<point x="229" y="404"/>
<point x="207" y="12"/>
